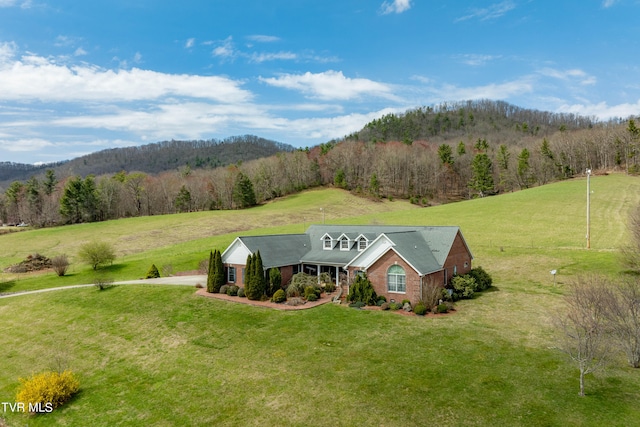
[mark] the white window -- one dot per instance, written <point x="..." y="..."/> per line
<point x="362" y="244"/>
<point x="396" y="279"/>
<point x="231" y="275"/>
<point x="344" y="244"/>
<point x="328" y="242"/>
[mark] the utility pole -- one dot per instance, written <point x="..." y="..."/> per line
<point x="588" y="209"/>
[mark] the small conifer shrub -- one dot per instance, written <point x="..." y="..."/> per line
<point x="279" y="296"/>
<point x="153" y="272"/>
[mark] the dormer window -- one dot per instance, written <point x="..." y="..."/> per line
<point x="328" y="243"/>
<point x="344" y="244"/>
<point x="362" y="244"/>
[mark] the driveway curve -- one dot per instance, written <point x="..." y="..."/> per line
<point x="173" y="280"/>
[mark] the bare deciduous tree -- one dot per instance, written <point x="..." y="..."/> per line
<point x="583" y="325"/>
<point x="623" y="314"/>
<point x="432" y="293"/>
<point x="631" y="252"/>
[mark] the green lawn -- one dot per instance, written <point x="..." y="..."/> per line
<point x="159" y="355"/>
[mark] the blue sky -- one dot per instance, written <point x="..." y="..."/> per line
<point x="81" y="76"/>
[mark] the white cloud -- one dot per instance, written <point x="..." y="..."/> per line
<point x="573" y="74"/>
<point x="395" y="6"/>
<point x="7" y="52"/>
<point x="602" y="110"/>
<point x="477" y="59"/>
<point x="79" y="52"/>
<point x="38" y="78"/>
<point x="263" y="57"/>
<point x="225" y="49"/>
<point x="25" y="4"/>
<point x="263" y="39"/>
<point x="490" y="91"/>
<point x="331" y="85"/>
<point x="190" y="43"/>
<point x="608" y="3"/>
<point x="494" y="11"/>
<point x="24" y="144"/>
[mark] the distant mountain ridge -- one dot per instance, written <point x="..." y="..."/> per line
<point x="154" y="158"/>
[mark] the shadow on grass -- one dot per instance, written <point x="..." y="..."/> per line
<point x="113" y="268"/>
<point x="490" y="290"/>
<point x="6" y="286"/>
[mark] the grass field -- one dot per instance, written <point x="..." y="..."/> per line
<point x="159" y="355"/>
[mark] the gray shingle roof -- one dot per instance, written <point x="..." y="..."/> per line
<point x="425" y="248"/>
<point x="279" y="249"/>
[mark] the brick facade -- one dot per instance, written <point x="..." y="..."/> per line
<point x="458" y="262"/>
<point x="459" y="259"/>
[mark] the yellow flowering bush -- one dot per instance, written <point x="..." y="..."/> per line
<point x="48" y="387"/>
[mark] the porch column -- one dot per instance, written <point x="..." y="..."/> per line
<point x="337" y="277"/>
<point x="318" y="273"/>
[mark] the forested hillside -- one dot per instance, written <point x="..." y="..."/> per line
<point x="496" y="119"/>
<point x="466" y="150"/>
<point x="153" y="158"/>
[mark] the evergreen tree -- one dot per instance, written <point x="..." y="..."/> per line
<point x="524" y="175"/>
<point x="462" y="150"/>
<point x="502" y="158"/>
<point x="219" y="278"/>
<point x="210" y="273"/>
<point x="482" y="175"/>
<point x="243" y="194"/>
<point x="183" y="200"/>
<point x="256" y="287"/>
<point x="248" y="271"/>
<point x="374" y="185"/>
<point x="153" y="272"/>
<point x="50" y="182"/>
<point x="340" y="180"/>
<point x="446" y="154"/>
<point x="275" y="281"/>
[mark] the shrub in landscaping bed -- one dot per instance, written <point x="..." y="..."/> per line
<point x="395" y="306"/>
<point x="329" y="287"/>
<point x="482" y="278"/>
<point x="420" y="309"/>
<point x="224" y="289"/>
<point x="442" y="308"/>
<point x="362" y="291"/>
<point x="241" y="292"/>
<point x="232" y="290"/>
<point x="312" y="290"/>
<point x="279" y="296"/>
<point x="464" y="287"/>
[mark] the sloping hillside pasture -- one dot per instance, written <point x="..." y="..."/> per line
<point x="181" y="240"/>
<point x="159" y="355"/>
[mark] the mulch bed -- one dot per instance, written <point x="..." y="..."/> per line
<point x="323" y="300"/>
<point x="268" y="304"/>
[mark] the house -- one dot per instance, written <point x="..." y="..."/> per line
<point x="398" y="260"/>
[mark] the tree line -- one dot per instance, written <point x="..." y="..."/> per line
<point x="456" y="166"/>
<point x="153" y="158"/>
